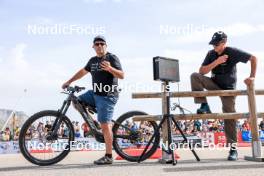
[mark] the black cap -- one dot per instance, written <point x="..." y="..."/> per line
<point x="99" y="38"/>
<point x="218" y="37"/>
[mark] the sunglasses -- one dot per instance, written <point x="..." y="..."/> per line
<point x="98" y="44"/>
<point x="216" y="45"/>
<point x="219" y="43"/>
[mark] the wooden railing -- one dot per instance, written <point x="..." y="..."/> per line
<point x="251" y="115"/>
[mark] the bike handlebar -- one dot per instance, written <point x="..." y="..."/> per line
<point x="74" y="89"/>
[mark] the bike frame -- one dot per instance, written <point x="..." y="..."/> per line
<point x="87" y="117"/>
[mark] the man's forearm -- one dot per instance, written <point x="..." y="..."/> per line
<point x="78" y="75"/>
<point x="253" y="61"/>
<point x="117" y="73"/>
<point x="206" y="69"/>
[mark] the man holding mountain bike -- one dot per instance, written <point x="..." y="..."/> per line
<point x="105" y="69"/>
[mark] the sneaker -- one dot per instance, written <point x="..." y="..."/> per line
<point x="204" y="109"/>
<point x="233" y="155"/>
<point x="104" y="161"/>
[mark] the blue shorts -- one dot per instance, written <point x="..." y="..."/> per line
<point x="104" y="105"/>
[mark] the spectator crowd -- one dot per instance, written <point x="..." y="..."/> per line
<point x="189" y="127"/>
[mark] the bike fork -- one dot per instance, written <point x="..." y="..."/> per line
<point x="58" y="120"/>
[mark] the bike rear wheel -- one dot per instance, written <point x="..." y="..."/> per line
<point x="131" y="137"/>
<point x="33" y="141"/>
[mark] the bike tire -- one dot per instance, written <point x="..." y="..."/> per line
<point x="22" y="142"/>
<point x="116" y="146"/>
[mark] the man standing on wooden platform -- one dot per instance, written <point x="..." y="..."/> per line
<point x="221" y="62"/>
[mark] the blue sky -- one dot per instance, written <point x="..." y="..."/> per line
<point x="41" y="63"/>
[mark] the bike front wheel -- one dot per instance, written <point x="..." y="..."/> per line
<point x="35" y="142"/>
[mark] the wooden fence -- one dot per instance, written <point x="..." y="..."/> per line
<point x="251" y="115"/>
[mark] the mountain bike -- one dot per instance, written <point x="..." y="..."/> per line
<point x="47" y="136"/>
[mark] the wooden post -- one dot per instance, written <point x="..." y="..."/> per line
<point x="256" y="143"/>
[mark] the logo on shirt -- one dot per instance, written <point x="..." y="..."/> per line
<point x="96" y="67"/>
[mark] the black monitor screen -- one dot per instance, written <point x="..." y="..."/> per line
<point x="166" y="69"/>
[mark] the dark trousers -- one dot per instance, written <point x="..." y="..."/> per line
<point x="200" y="82"/>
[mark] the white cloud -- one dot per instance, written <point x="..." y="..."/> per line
<point x="240" y="29"/>
<point x="16" y="70"/>
<point x="39" y="20"/>
<point x="17" y="56"/>
<point x="186" y="56"/>
<point x="13" y="60"/>
<point x="42" y="80"/>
